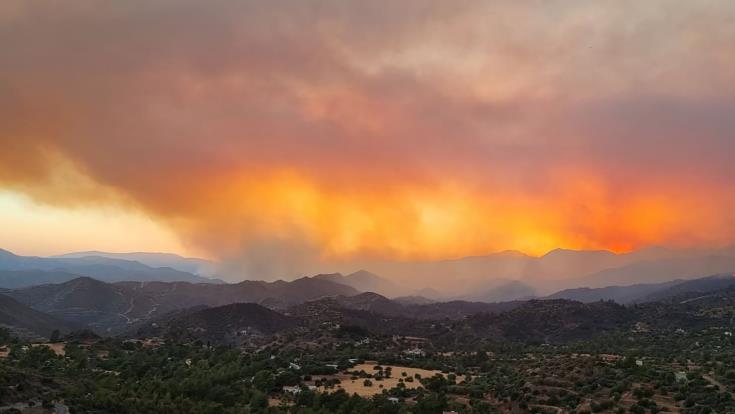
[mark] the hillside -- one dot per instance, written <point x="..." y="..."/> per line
<point x="619" y="294"/>
<point x="113" y="308"/>
<point x="29" y="323"/>
<point x="365" y="281"/>
<point x="693" y="288"/>
<point x="552" y="321"/>
<point x="381" y="306"/>
<point x="652" y="292"/>
<point x="327" y="314"/>
<point x="558" y="321"/>
<point x="103" y="307"/>
<point x="230" y="324"/>
<point x="372" y="302"/>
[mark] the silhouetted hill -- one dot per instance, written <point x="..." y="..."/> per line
<point x="29" y="323"/>
<point x="103" y="307"/>
<point x="459" y="309"/>
<point x="113" y="308"/>
<point x="234" y="323"/>
<point x="565" y="263"/>
<point x="330" y="313"/>
<point x="365" y="281"/>
<point x="372" y="302"/>
<point x="301" y="290"/>
<point x="692" y="288"/>
<point x="619" y="294"/>
<point x="651" y="292"/>
<point x="380" y="305"/>
<point x="536" y="321"/>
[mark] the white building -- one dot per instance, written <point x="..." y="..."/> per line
<point x="291" y="389"/>
<point x="415" y="352"/>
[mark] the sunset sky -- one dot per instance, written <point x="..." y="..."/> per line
<point x="330" y="131"/>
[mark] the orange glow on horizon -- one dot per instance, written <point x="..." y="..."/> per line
<point x="416" y="222"/>
<point x="371" y="131"/>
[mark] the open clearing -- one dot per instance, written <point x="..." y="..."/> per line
<point x="358" y="387"/>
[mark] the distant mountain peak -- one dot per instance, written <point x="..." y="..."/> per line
<point x="363" y="275"/>
<point x="370" y="296"/>
<point x="363" y="281"/>
<point x="512" y="253"/>
<point x="561" y="252"/>
<point x="7" y="253"/>
<point x="84" y="280"/>
<point x="327" y="276"/>
<point x="362" y="272"/>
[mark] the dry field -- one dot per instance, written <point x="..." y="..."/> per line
<point x="358" y="387"/>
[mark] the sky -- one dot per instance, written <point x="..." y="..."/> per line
<point x="269" y="132"/>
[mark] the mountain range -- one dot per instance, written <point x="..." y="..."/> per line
<point x="492" y="291"/>
<point x="558" y="269"/>
<point x="174" y="261"/>
<point x="501" y="276"/>
<point x="19" y="271"/>
<point x="113" y="308"/>
<point x="117" y="308"/>
<point x="534" y="321"/>
<point x="117" y="293"/>
<point x="650" y="292"/>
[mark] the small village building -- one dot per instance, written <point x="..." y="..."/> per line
<point x="415" y="352"/>
<point x="291" y="389"/>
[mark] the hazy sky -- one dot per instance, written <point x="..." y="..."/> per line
<point x="302" y="131"/>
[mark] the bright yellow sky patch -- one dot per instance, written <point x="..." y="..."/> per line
<point x="31" y="229"/>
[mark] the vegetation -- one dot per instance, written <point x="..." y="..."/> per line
<point x="549" y="356"/>
<point x="639" y="372"/>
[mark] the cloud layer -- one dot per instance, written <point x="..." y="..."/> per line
<point x="282" y="134"/>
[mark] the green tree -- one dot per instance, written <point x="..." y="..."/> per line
<point x="264" y="381"/>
